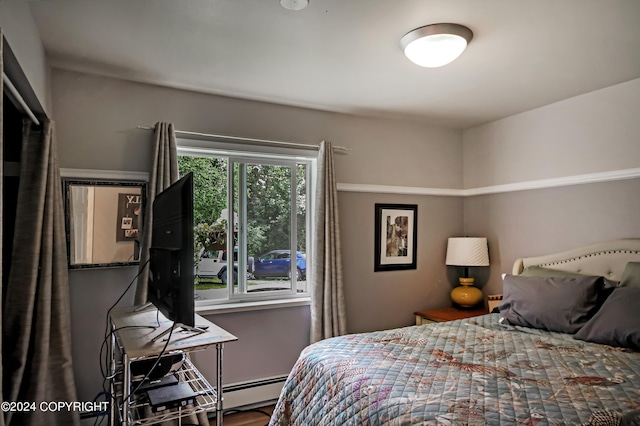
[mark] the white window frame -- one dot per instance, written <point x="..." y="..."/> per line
<point x="263" y="155"/>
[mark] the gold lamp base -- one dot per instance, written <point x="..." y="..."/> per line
<point x="466" y="295"/>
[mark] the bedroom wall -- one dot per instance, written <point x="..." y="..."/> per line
<point x="592" y="135"/>
<point x="383" y="300"/>
<point x="594" y="132"/>
<point x="96" y="123"/>
<point x="27" y="65"/>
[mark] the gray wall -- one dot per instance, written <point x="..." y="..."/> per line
<point x="27" y="66"/>
<point x="382" y="300"/>
<point x="96" y="129"/>
<point x="536" y="222"/>
<point x="590" y="134"/>
<point x="269" y="342"/>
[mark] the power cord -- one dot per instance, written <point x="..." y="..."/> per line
<point x="102" y="414"/>
<point x="107" y="335"/>
<point x="126" y="290"/>
<point x="155" y="364"/>
<point x="107" y="331"/>
<point x="111" y="397"/>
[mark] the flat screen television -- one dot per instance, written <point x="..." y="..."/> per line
<point x="171" y="287"/>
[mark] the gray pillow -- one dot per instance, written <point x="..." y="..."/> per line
<point x="562" y="304"/>
<point x="617" y="322"/>
<point x="631" y="275"/>
<point x="539" y="271"/>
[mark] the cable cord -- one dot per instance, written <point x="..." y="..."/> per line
<point x="104" y="363"/>
<point x="155" y="364"/>
<point x="101" y="415"/>
<point x="104" y="371"/>
<point x="111" y="397"/>
<point x="126" y="290"/>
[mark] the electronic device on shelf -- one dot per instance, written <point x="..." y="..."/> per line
<point x="167" y="364"/>
<point x="170" y="397"/>
<point x="150" y="384"/>
<point x="170" y="287"/>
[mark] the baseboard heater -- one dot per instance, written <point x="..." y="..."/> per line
<point x="254" y="393"/>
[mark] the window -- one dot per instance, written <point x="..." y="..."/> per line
<point x="259" y="206"/>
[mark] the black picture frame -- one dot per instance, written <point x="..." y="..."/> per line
<point x="396" y="237"/>
<point x="120" y="252"/>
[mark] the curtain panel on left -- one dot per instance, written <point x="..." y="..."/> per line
<point x="1" y="210"/>
<point x="37" y="364"/>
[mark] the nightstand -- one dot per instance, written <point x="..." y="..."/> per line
<point x="446" y="314"/>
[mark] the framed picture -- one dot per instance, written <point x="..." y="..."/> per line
<point x="128" y="212"/>
<point x="396" y="238"/>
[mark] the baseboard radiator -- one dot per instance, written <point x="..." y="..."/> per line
<point x="253" y="393"/>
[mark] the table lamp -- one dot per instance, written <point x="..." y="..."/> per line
<point x="467" y="251"/>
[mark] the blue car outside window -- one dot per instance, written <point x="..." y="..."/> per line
<point x="277" y="263"/>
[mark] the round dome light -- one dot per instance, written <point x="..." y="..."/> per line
<point x="435" y="45"/>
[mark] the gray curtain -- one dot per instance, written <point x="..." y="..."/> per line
<point x="1" y="206"/>
<point x="164" y="172"/>
<point x="328" y="317"/>
<point x="36" y="324"/>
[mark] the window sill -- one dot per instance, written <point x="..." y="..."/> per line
<point x="226" y="308"/>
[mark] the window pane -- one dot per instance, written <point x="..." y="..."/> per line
<point x="269" y="227"/>
<point x="301" y="220"/>
<point x="209" y="209"/>
<point x="239" y="189"/>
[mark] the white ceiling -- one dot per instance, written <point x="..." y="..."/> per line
<point x="344" y="55"/>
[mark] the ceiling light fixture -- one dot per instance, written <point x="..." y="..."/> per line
<point x="294" y="4"/>
<point x="435" y="45"/>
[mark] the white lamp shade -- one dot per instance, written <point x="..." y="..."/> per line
<point x="435" y="45"/>
<point x="467" y="251"/>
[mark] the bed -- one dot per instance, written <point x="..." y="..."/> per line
<point x="492" y="369"/>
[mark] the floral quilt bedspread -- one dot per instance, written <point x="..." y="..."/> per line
<point x="466" y="372"/>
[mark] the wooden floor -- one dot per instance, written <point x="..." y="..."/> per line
<point x="255" y="417"/>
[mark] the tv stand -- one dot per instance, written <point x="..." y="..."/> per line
<point x="195" y="330"/>
<point x="132" y="340"/>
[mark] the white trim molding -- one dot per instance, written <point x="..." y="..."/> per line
<point x="202" y="308"/>
<point x="407" y="190"/>
<point x="556" y="182"/>
<point x="258" y="392"/>
<point x="495" y="189"/>
<point x="104" y="174"/>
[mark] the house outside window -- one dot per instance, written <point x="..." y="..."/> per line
<point x="258" y="206"/>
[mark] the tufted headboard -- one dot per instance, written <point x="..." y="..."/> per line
<point x="606" y="259"/>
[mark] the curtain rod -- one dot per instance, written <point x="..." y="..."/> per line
<point x="259" y="141"/>
<point x="13" y="92"/>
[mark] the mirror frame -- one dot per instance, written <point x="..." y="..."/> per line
<point x="101" y="178"/>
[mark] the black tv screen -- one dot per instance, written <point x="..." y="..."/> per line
<point x="171" y="287"/>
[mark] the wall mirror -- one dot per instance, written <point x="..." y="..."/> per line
<point x="104" y="220"/>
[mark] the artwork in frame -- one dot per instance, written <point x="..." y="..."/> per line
<point x="129" y="206"/>
<point x="396" y="236"/>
